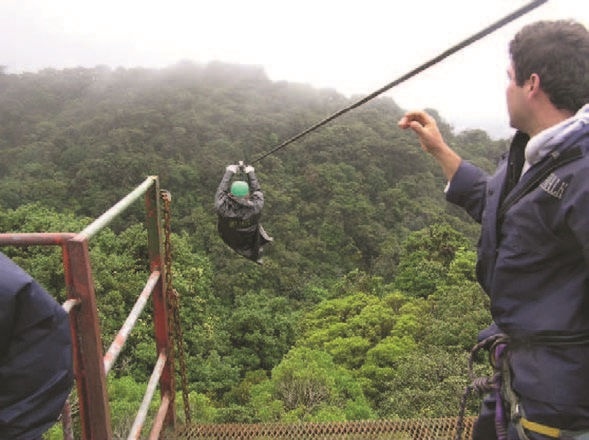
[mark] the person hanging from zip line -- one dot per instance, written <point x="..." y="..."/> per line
<point x="533" y="253"/>
<point x="36" y="361"/>
<point x="239" y="207"/>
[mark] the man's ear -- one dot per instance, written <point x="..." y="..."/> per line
<point x="533" y="84"/>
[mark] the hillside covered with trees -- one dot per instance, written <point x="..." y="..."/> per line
<point x="366" y="305"/>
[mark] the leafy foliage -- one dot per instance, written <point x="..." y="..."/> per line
<point x="366" y="305"/>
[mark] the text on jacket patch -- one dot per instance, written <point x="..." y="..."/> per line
<point x="554" y="186"/>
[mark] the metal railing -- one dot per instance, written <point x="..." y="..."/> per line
<point x="90" y="365"/>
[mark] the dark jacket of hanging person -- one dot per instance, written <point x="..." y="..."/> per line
<point x="36" y="365"/>
<point x="239" y="217"/>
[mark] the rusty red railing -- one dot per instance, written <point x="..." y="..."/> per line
<point x="90" y="365"/>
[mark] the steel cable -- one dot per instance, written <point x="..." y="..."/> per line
<point x="468" y="41"/>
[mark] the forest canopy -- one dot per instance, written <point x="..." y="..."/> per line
<point x="367" y="295"/>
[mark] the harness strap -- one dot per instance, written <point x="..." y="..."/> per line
<point x="496" y="345"/>
<point x="552" y="432"/>
<point x="508" y="395"/>
<point x="518" y="415"/>
<point x="539" y="428"/>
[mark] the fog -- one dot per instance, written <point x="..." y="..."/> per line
<point x="352" y="47"/>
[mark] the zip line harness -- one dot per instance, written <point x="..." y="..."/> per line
<point x="500" y="384"/>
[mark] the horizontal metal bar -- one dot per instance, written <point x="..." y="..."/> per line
<point x="35" y="238"/>
<point x="160" y="417"/>
<point x="118" y="208"/>
<point x="117" y="345"/>
<point x="151" y="387"/>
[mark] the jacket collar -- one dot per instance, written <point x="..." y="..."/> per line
<point x="545" y="142"/>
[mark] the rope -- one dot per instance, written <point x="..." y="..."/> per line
<point x="479" y="384"/>
<point x="468" y="41"/>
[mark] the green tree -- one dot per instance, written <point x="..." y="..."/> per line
<point x="308" y="386"/>
<point x="262" y="330"/>
<point x="459" y="307"/>
<point x="425" y="384"/>
<point x="426" y="257"/>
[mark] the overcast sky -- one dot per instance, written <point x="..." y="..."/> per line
<point x="354" y="47"/>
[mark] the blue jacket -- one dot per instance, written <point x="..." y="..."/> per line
<point x="533" y="262"/>
<point x="36" y="373"/>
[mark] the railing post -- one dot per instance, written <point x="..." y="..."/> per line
<point x="88" y="360"/>
<point x="160" y="300"/>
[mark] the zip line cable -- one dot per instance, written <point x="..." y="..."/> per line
<point x="468" y="41"/>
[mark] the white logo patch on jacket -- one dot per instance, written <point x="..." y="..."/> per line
<point x="554" y="186"/>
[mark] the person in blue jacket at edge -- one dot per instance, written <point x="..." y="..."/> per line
<point x="533" y="253"/>
<point x="36" y="365"/>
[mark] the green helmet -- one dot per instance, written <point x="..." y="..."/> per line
<point x="239" y="188"/>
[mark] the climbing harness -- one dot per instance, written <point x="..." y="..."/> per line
<point x="174" y="304"/>
<point x="500" y="384"/>
<point x="518" y="415"/>
<point x="466" y="42"/>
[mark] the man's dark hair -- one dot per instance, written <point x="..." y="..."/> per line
<point x="558" y="52"/>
